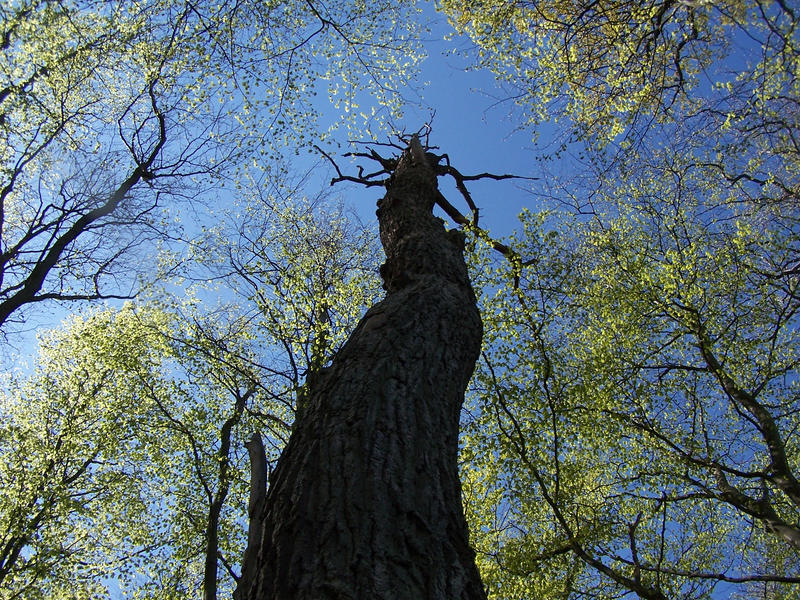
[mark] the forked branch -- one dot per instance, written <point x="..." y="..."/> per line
<point x="440" y="164"/>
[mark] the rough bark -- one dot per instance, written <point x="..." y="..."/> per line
<point x="365" y="501"/>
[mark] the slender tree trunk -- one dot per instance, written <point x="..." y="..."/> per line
<point x="212" y="547"/>
<point x="216" y="502"/>
<point x="365" y="501"/>
<point x="255" y="512"/>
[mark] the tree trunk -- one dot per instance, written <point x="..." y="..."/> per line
<point x="212" y="548"/>
<point x="365" y="501"/>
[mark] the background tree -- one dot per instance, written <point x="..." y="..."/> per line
<point x="302" y="273"/>
<point x="605" y="454"/>
<point x="72" y="497"/>
<point x="639" y="380"/>
<point x="200" y="380"/>
<point x="112" y="112"/>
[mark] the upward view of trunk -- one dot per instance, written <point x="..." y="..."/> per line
<point x="365" y="501"/>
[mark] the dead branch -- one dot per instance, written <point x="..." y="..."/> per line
<point x="433" y="160"/>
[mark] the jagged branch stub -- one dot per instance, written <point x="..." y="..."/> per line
<point x="418" y="143"/>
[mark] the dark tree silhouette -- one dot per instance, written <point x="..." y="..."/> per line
<point x="365" y="501"/>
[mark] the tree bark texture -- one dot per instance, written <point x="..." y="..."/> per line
<point x="365" y="501"/>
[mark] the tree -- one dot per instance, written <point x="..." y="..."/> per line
<point x="365" y="499"/>
<point x="112" y="112"/>
<point x="159" y="494"/>
<point x="606" y="454"/>
<point x="718" y="72"/>
<point x="302" y="272"/>
<point x="68" y="432"/>
<point x="635" y="430"/>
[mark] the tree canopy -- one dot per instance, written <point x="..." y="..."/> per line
<point x="631" y="426"/>
<point x="116" y="114"/>
<point x="124" y="449"/>
<point x="639" y="380"/>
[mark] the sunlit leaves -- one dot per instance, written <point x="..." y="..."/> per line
<point x="172" y="98"/>
<point x="607" y="65"/>
<point x="129" y="435"/>
<point x="66" y="431"/>
<point x="650" y="345"/>
<point x="597" y="422"/>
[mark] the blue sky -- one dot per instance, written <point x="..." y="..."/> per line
<point x="478" y="132"/>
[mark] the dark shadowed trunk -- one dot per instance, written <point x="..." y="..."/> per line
<point x="365" y="501"/>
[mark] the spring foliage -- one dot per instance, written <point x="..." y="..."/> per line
<point x="633" y="427"/>
<point x="116" y="115"/>
<point x="127" y="439"/>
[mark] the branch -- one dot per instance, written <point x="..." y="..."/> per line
<point x="714" y="576"/>
<point x="460" y="179"/>
<point x="432" y="160"/>
<point x="363" y="180"/>
<point x="782" y="474"/>
<point x="35" y="280"/>
<point x="228" y="566"/>
<point x="517" y="439"/>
